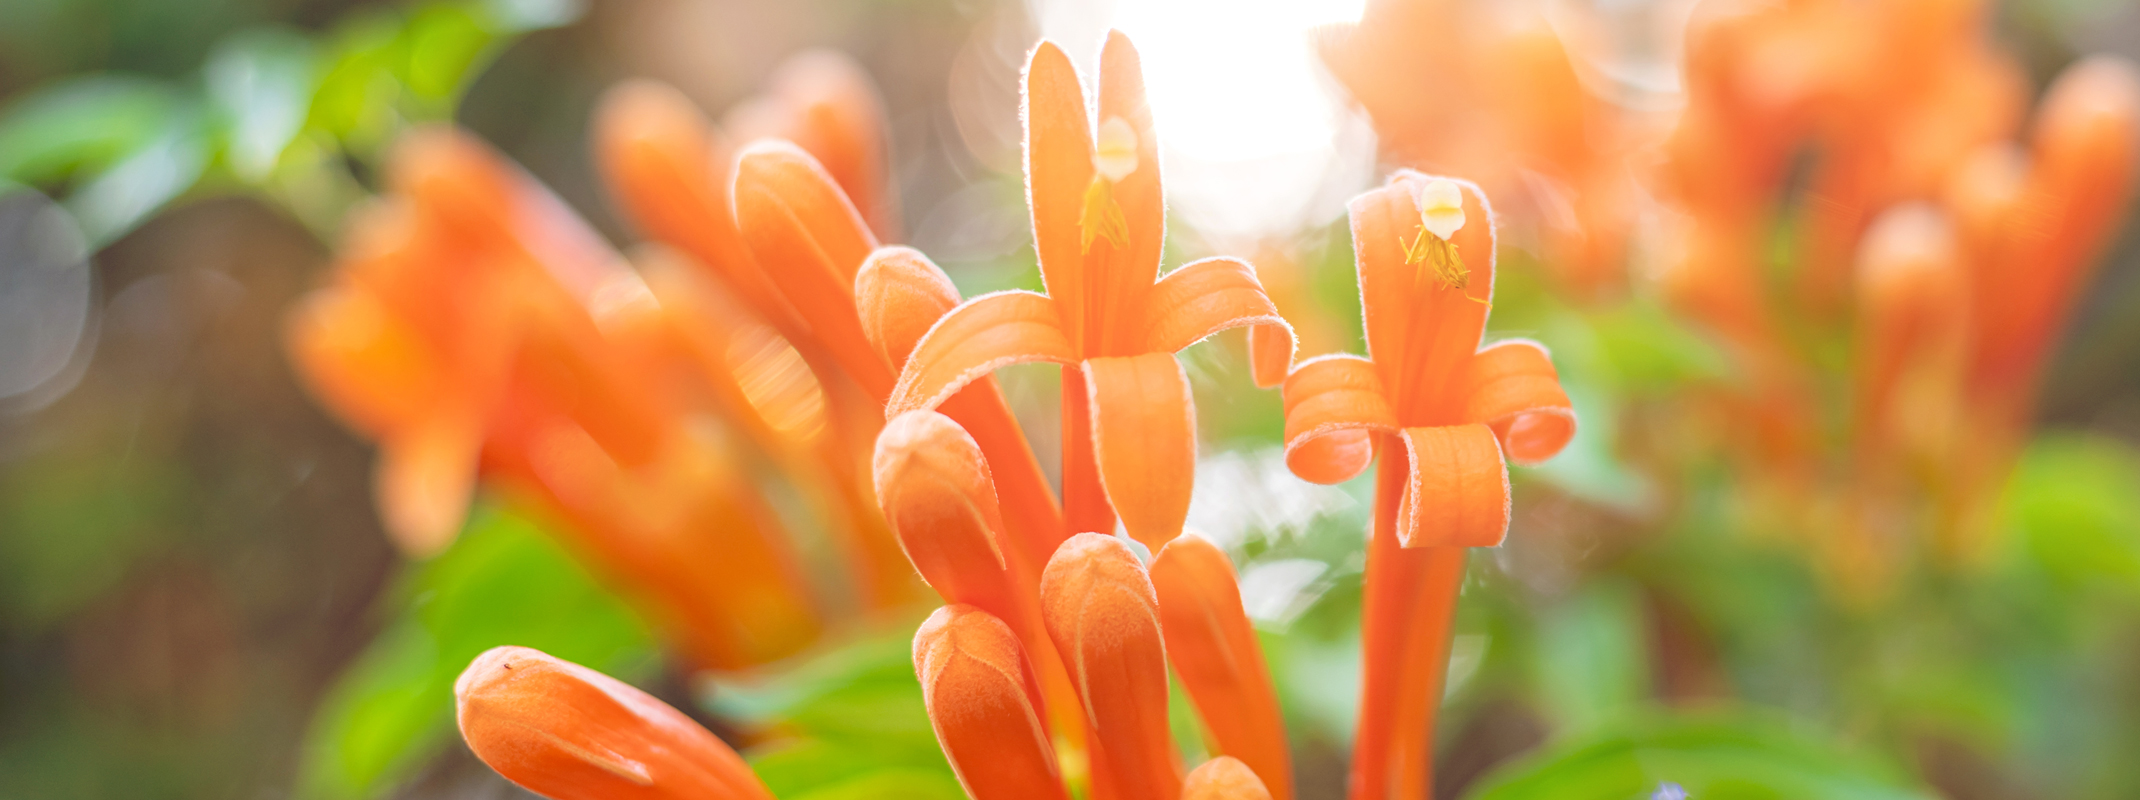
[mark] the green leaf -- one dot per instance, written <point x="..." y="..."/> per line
<point x="153" y="174"/>
<point x="503" y="582"/>
<point x="2074" y="504"/>
<point x="1592" y="665"/>
<point x="260" y="84"/>
<point x="1712" y="757"/>
<point x="83" y="124"/>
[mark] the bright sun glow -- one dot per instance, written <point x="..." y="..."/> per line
<point x="1257" y="138"/>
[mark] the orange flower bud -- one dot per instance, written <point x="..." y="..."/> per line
<point x="1215" y="652"/>
<point x="568" y="732"/>
<point x="983" y="703"/>
<point x="1101" y="611"/>
<point x="900" y="294"/>
<point x="934" y="487"/>
<point x="806" y="233"/>
<point x="824" y="102"/>
<point x="1225" y="778"/>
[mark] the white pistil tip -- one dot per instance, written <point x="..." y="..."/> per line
<point x="1115" y="154"/>
<point x="1441" y="208"/>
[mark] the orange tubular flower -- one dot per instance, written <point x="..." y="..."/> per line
<point x="1101" y="611"/>
<point x="823" y="102"/>
<point x="1215" y="652"/>
<point x="982" y="702"/>
<point x="1098" y="221"/>
<point x="1425" y="256"/>
<point x="1225" y="778"/>
<point x="570" y="733"/>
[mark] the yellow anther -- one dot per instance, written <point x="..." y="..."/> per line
<point x="1114" y="156"/>
<point x="1441" y="208"/>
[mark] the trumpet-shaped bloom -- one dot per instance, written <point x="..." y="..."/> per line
<point x="1103" y="615"/>
<point x="1459" y="411"/>
<point x="1214" y="651"/>
<point x="570" y="733"/>
<point x="1225" y="778"/>
<point x="1098" y="222"/>
<point x="985" y="708"/>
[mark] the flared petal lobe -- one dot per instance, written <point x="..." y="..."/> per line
<point x="1204" y="297"/>
<point x="812" y="242"/>
<point x="1333" y="407"/>
<point x="1102" y="613"/>
<point x="1512" y="387"/>
<point x="1214" y="651"/>
<point x="980" y="336"/>
<point x="984" y="705"/>
<point x="1224" y="778"/>
<point x="567" y="732"/>
<point x="1144" y="441"/>
<point x="1458" y="493"/>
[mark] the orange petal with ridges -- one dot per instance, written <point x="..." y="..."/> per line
<point x="1144" y="441"/>
<point x="1333" y="407"/>
<point x="1225" y="778"/>
<point x="1058" y="168"/>
<point x="1215" y="294"/>
<point x="980" y="336"/>
<point x="1512" y="387"/>
<point x="812" y="242"/>
<point x="983" y="704"/>
<point x="1214" y="651"/>
<point x="901" y="294"/>
<point x="570" y="733"/>
<point x="1458" y="493"/>
<point x="426" y="477"/>
<point x="1103" y="616"/>
<point x="934" y="487"/>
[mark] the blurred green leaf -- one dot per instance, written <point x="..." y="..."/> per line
<point x="2074" y="502"/>
<point x="83" y="124"/>
<point x="162" y="168"/>
<point x="503" y="582"/>
<point x="260" y="84"/>
<point x="1592" y="665"/>
<point x="1712" y="757"/>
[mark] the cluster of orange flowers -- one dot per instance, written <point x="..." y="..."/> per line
<point x="1951" y="251"/>
<point x="475" y="327"/>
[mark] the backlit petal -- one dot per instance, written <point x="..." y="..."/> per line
<point x="1511" y="386"/>
<point x="982" y="701"/>
<point x="981" y="335"/>
<point x="1215" y="294"/>
<point x="1214" y="651"/>
<point x="1420" y="328"/>
<point x="1333" y="407"/>
<point x="567" y="732"/>
<point x="1458" y="492"/>
<point x="1144" y="441"/>
<point x="812" y="242"/>
<point x="1058" y="168"/>
<point x="1102" y="614"/>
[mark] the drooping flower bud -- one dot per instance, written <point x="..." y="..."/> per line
<point x="900" y="294"/>
<point x="934" y="487"/>
<point x="1103" y="615"/>
<point x="570" y="733"/>
<point x="1224" y="778"/>
<point x="984" y="705"/>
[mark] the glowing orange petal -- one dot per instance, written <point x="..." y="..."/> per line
<point x="1058" y="167"/>
<point x="1214" y="650"/>
<point x="1333" y="407"/>
<point x="570" y="733"/>
<point x="1215" y="294"/>
<point x="1512" y="387"/>
<point x="1458" y="493"/>
<point x="1101" y="612"/>
<point x="1119" y="281"/>
<point x="980" y="693"/>
<point x="812" y="243"/>
<point x="1225" y="778"/>
<point x="982" y="335"/>
<point x="426" y="477"/>
<point x="901" y="294"/>
<point x="1144" y="441"/>
<point x="1420" y="330"/>
<point x="668" y="167"/>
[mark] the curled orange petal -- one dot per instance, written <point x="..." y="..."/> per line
<point x="1144" y="441"/>
<point x="1512" y="387"/>
<point x="570" y="733"/>
<point x="1214" y="650"/>
<point x="1333" y="407"/>
<point x="1103" y="616"/>
<point x="1458" y="493"/>
<point x="1225" y="778"/>
<point x="978" y="337"/>
<point x="812" y="242"/>
<point x="901" y="294"/>
<point x="1215" y="294"/>
<point x="982" y="701"/>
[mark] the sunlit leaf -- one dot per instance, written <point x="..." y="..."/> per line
<point x="260" y="83"/>
<point x="2074" y="502"/>
<point x="1713" y="758"/>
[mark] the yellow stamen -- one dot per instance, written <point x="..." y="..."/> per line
<point x="1102" y="216"/>
<point x="1437" y="257"/>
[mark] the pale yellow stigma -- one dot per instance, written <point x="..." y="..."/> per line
<point x="1441" y="208"/>
<point x="1115" y="154"/>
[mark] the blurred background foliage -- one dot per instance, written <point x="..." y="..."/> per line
<point x="196" y="601"/>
